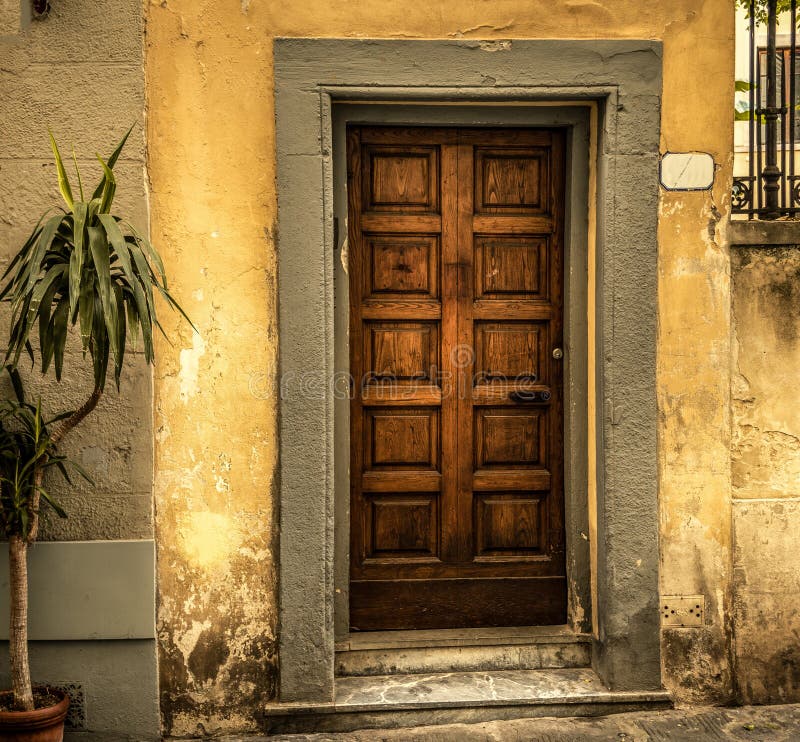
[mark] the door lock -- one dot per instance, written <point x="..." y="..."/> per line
<point x="558" y="354"/>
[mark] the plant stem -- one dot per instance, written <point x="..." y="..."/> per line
<point x="18" y="573"/>
<point x="18" y="628"/>
<point x="76" y="417"/>
<point x="71" y="422"/>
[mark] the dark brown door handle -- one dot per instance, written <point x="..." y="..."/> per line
<point x="529" y="396"/>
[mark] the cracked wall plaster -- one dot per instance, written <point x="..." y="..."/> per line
<point x="765" y="456"/>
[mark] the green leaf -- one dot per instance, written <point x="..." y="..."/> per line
<point x="86" y="311"/>
<point x="133" y="318"/>
<point x="152" y="254"/>
<point x="145" y="276"/>
<point x="76" y="259"/>
<point x="99" y="347"/>
<point x="16" y="382"/>
<point x="45" y="321"/>
<point x="117" y="240"/>
<point x="77" y="172"/>
<point x="24" y="250"/>
<point x="78" y="468"/>
<point x="112" y="161"/>
<point x="174" y="304"/>
<point x="99" y="249"/>
<point x="52" y="503"/>
<point x="42" y="245"/>
<point x="120" y="332"/>
<point x="110" y="188"/>
<point x="63" y="181"/>
<point x="60" y="334"/>
<point x="59" y="462"/>
<point x="48" y="284"/>
<point x="145" y="321"/>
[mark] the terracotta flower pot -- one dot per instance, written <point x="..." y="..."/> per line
<point x="40" y="725"/>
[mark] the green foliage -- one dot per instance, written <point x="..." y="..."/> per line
<point x="783" y="6"/>
<point x="85" y="266"/>
<point x="27" y="447"/>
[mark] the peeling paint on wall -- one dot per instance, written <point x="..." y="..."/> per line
<point x="765" y="457"/>
<point x="190" y="367"/>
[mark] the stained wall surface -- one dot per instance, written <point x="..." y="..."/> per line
<point x="212" y="169"/>
<point x="765" y="458"/>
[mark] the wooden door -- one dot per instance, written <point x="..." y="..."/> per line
<point x="456" y="302"/>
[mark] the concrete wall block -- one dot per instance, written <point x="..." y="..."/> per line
<point x="91" y="117"/>
<point x="29" y="187"/>
<point x="104" y="31"/>
<point x="99" y="516"/>
<point x="118" y="679"/>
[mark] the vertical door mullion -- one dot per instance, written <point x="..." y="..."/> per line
<point x="465" y="360"/>
<point x="448" y="528"/>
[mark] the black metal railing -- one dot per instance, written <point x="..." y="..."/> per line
<point x="771" y="187"/>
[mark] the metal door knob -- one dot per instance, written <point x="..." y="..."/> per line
<point x="558" y="354"/>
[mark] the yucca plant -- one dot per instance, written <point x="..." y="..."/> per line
<point x="27" y="447"/>
<point x="88" y="268"/>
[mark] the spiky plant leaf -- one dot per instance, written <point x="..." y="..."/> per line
<point x="85" y="267"/>
<point x="63" y="180"/>
<point x="27" y="445"/>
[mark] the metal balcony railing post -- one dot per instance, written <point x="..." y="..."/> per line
<point x="771" y="174"/>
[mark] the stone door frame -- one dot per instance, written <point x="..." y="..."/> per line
<point x="623" y="80"/>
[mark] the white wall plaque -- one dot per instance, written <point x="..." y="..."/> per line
<point x="687" y="171"/>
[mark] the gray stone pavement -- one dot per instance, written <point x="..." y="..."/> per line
<point x="752" y="723"/>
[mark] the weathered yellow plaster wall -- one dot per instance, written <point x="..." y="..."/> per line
<point x="766" y="472"/>
<point x="213" y="207"/>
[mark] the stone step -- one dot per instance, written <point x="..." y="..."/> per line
<point x="393" y="701"/>
<point x="463" y="650"/>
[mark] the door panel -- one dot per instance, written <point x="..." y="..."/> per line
<point x="456" y="442"/>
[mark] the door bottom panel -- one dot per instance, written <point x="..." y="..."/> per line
<point x="382" y="605"/>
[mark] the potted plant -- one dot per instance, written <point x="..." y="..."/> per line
<point x="27" y="447"/>
<point x="86" y="268"/>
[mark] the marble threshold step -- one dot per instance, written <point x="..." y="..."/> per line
<point x="393" y="701"/>
<point x="462" y="650"/>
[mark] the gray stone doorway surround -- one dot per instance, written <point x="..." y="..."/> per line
<point x="322" y="83"/>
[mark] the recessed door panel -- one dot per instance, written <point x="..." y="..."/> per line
<point x="402" y="526"/>
<point x="509" y="525"/>
<point x="401" y="351"/>
<point x="402" y="438"/>
<point x="509" y="350"/>
<point x="401" y="266"/>
<point x="506" y="436"/>
<point x="509" y="267"/>
<point x="401" y="179"/>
